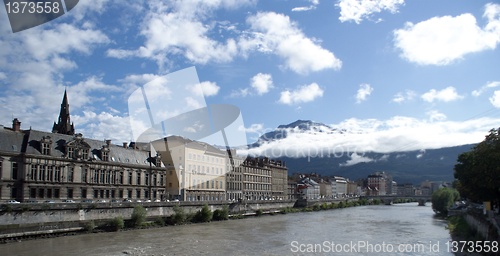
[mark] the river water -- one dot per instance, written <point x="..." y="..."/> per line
<point x="402" y="229"/>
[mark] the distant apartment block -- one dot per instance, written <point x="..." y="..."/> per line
<point x="257" y="179"/>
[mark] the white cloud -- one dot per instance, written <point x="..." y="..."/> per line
<point x="276" y="33"/>
<point x="181" y="28"/>
<point x="205" y="88"/>
<point x="356" y="159"/>
<point x="495" y="99"/>
<point x="64" y="38"/>
<point x="435" y="115"/>
<point x="420" y="154"/>
<point x="363" y="92"/>
<point x="262" y="83"/>
<point x="397" y="134"/>
<point x="254" y="128"/>
<point x="34" y="63"/>
<point x="448" y="94"/>
<point x="483" y="89"/>
<point x="312" y="6"/>
<point x="442" y="40"/>
<point x="103" y="125"/>
<point x="357" y="10"/>
<point x="240" y="93"/>
<point x="404" y="96"/>
<point x="302" y="94"/>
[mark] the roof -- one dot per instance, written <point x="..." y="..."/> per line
<point x="10" y="141"/>
<point x="175" y="141"/>
<point x="28" y="142"/>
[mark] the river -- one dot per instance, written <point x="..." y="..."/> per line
<point x="401" y="229"/>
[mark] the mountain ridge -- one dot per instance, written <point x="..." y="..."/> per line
<point x="406" y="166"/>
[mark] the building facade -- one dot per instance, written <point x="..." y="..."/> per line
<point x="253" y="178"/>
<point x="37" y="165"/>
<point x="196" y="170"/>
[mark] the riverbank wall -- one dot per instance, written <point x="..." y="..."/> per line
<point x="485" y="226"/>
<point x="38" y="219"/>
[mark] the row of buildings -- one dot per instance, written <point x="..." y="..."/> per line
<point x="314" y="187"/>
<point x="62" y="164"/>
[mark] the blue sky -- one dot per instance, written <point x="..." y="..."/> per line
<point x="424" y="71"/>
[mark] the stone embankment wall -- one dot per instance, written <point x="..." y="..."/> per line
<point x="484" y="228"/>
<point x="36" y="219"/>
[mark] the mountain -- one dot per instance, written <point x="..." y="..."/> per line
<point x="405" y="167"/>
<point x="298" y="126"/>
<point x="405" y="164"/>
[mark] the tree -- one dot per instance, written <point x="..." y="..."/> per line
<point x="221" y="214"/>
<point x="179" y="216"/>
<point x="443" y="199"/>
<point x="203" y="215"/>
<point x="138" y="216"/>
<point x="478" y="170"/>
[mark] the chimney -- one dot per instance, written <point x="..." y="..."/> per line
<point x="125" y="145"/>
<point x="132" y="145"/>
<point x="16" y="125"/>
<point x="108" y="142"/>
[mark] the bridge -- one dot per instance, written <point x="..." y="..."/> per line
<point x="389" y="199"/>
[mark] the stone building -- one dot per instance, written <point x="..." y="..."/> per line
<point x="63" y="164"/>
<point x="196" y="170"/>
<point x="257" y="179"/>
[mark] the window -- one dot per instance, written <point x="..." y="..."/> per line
<point x="50" y="173"/>
<point x="101" y="172"/>
<point x="70" y="193"/>
<point x="121" y="179"/>
<point x="85" y="154"/>
<point x="32" y="192"/>
<point x="162" y="178"/>
<point x="1" y="164"/>
<point x="71" y="171"/>
<point x="41" y="193"/>
<point x="108" y="176"/>
<point x="71" y="152"/>
<point x="84" y="174"/>
<point x="45" y="148"/>
<point x="130" y="178"/>
<point x="138" y="193"/>
<point x="13" y="193"/>
<point x="84" y="193"/>
<point x="14" y="171"/>
<point x="138" y="181"/>
<point x="105" y="155"/>
<point x="146" y="179"/>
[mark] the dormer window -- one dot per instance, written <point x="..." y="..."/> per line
<point x="158" y="161"/>
<point x="105" y="153"/>
<point x="71" y="152"/>
<point x="46" y="144"/>
<point x="78" y="148"/>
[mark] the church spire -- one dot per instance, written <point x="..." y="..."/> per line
<point x="64" y="124"/>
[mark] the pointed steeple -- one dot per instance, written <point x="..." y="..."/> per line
<point x="64" y="124"/>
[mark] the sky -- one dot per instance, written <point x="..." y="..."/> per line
<point x="418" y="73"/>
